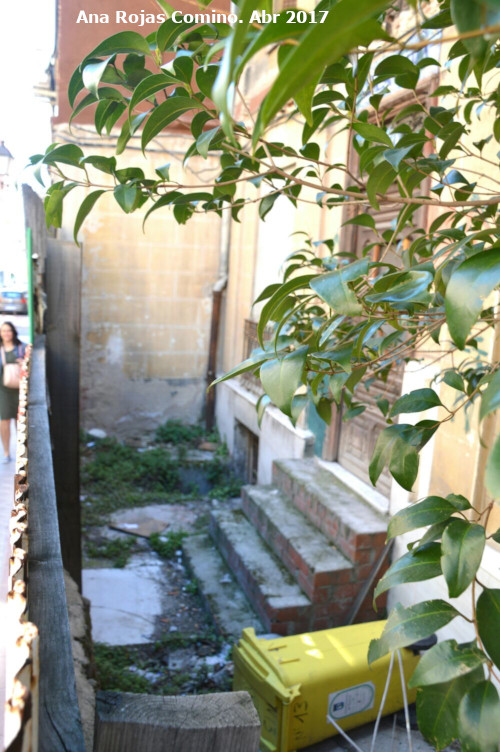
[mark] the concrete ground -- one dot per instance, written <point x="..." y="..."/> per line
<point x="6" y="499"/>
<point x="391" y="737"/>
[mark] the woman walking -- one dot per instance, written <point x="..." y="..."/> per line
<point x="11" y="351"/>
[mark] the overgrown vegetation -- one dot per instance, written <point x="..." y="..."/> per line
<point x="176" y="432"/>
<point x="167" y="544"/>
<point x="144" y="668"/>
<point x="117" y="550"/>
<point x="341" y="321"/>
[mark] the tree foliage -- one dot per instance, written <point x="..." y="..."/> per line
<point x="339" y="320"/>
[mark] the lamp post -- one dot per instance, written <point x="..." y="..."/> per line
<point x="5" y="160"/>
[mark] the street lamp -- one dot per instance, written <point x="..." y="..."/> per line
<point x="5" y="160"/>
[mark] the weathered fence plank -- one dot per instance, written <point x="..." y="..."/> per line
<point x="60" y="727"/>
<point x="222" y="722"/>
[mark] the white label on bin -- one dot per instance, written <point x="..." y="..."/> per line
<point x="351" y="700"/>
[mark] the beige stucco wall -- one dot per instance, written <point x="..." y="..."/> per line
<point x="146" y="299"/>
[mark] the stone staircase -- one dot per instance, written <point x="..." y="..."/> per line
<point x="302" y="548"/>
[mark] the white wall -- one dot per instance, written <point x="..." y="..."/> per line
<point x="278" y="439"/>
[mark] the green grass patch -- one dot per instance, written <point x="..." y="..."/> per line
<point x="176" y="432"/>
<point x="117" y="551"/>
<point x="167" y="544"/>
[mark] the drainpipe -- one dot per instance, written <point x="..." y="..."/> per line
<point x="217" y="292"/>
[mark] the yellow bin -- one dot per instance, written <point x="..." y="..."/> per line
<point x="295" y="682"/>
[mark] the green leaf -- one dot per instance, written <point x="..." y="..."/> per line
<point x="415" y="402"/>
<point x="332" y="287"/>
<point x="467" y="16"/>
<point x="415" y="566"/>
<point x="437" y="707"/>
<point x="460" y="503"/>
<point x="124" y="41"/>
<point x="250" y="364"/>
<point x="488" y="622"/>
<point x="430" y="511"/>
<point x="394" y="156"/>
<point x="66" y="154"/>
<point x="104" y="164"/>
<point x="490" y="399"/>
<point x="164" y="171"/>
<point x="270" y="34"/>
<point x="372" y="133"/>
<point x="381" y="178"/>
<point x="85" y="208"/>
<point x="364" y="220"/>
<point x="492" y="477"/>
<point x="453" y="379"/>
<point x="82" y="105"/>
<point x="127" y="196"/>
<point x="281" y="377"/>
<point x="223" y="89"/>
<point x="397" y="446"/>
<point x="411" y="288"/>
<point x="346" y="26"/>
<point x="204" y="140"/>
<point x="408" y="625"/>
<point x="263" y="401"/>
<point x="277" y="298"/>
<point x="205" y="78"/>
<point x="93" y="72"/>
<point x="148" y="87"/>
<point x="471" y="282"/>
<point x="168" y="32"/>
<point x="462" y="550"/>
<point x="446" y="661"/>
<point x="75" y="86"/>
<point x="479" y="719"/>
<point x="166" y="113"/>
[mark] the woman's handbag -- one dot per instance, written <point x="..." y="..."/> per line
<point x="11" y="373"/>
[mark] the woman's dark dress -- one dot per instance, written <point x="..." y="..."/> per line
<point x="9" y="398"/>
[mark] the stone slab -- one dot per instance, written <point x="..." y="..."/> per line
<point x="176" y="516"/>
<point x="125" y="603"/>
<point x="223" y="597"/>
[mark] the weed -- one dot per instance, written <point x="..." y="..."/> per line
<point x="167" y="544"/>
<point x="192" y="587"/>
<point x="176" y="432"/>
<point x="229" y="489"/>
<point x="118" y="551"/>
<point x="112" y="663"/>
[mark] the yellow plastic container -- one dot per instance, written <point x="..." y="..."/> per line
<point x="296" y="681"/>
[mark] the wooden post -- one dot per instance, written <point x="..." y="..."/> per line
<point x="221" y="722"/>
<point x="63" y="269"/>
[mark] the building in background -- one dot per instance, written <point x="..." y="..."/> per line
<point x="146" y="297"/>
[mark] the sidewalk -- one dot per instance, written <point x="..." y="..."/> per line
<point x="6" y="502"/>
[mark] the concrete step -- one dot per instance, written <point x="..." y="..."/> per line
<point x="270" y="588"/>
<point x="219" y="591"/>
<point x="319" y="567"/>
<point x="355" y="527"/>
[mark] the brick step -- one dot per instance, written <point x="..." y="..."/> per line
<point x="318" y="566"/>
<point x="354" y="526"/>
<point x="276" y="597"/>
<point x="221" y="594"/>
